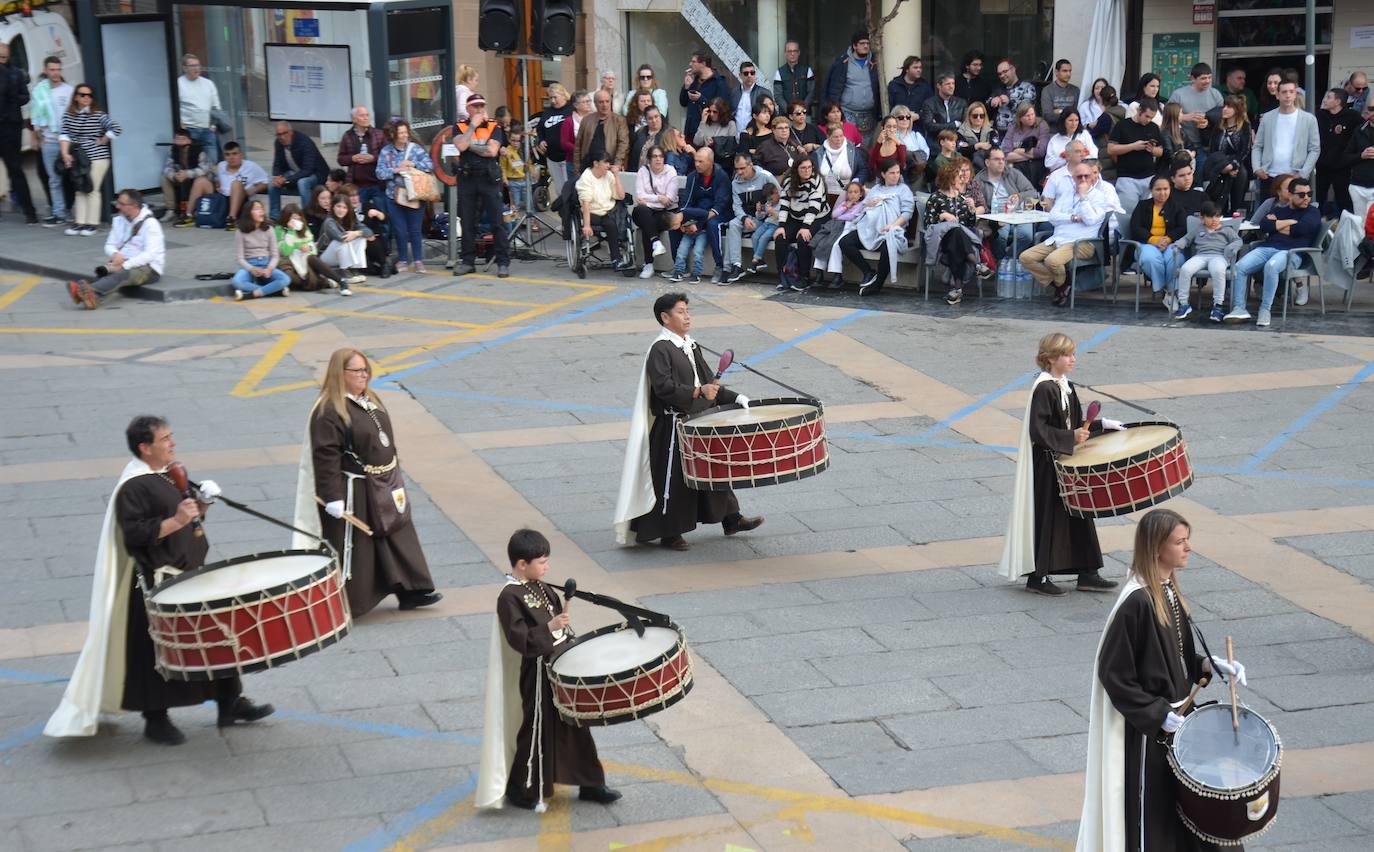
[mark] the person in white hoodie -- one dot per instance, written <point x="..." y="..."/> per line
<point x="135" y="252"/>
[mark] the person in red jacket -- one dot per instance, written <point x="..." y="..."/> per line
<point x="1367" y="244"/>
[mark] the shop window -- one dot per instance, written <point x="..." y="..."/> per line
<point x="1267" y="24"/>
<point x="1020" y="29"/>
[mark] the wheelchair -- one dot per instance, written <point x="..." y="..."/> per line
<point x="584" y="254"/>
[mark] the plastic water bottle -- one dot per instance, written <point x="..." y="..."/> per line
<point x="1023" y="280"/>
<point x="1005" y="278"/>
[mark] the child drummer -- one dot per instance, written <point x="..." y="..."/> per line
<point x="1042" y="538"/>
<point x="520" y="765"/>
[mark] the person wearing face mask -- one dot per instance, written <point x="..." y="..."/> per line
<point x="300" y="260"/>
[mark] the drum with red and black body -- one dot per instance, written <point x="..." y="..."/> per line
<point x="614" y="675"/>
<point x="1116" y="473"/>
<point x="772" y="441"/>
<point x="246" y="614"/>
<point x="1228" y="773"/>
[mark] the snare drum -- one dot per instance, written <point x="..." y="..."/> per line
<point x="246" y="614"/>
<point x="1228" y="790"/>
<point x="1116" y="473"/>
<point x="613" y="675"/>
<point x="774" y="440"/>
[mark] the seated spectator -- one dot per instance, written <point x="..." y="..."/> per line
<point x="300" y="259"/>
<point x="705" y="201"/>
<point x="402" y="155"/>
<point x="1136" y="144"/>
<point x="656" y="209"/>
<point x="951" y="234"/>
<point x="1114" y="114"/>
<point x="825" y="245"/>
<point x="803" y="202"/>
<point x="747" y="190"/>
<point x="760" y="128"/>
<point x="297" y="166"/>
<point x="1006" y="190"/>
<point x="717" y="130"/>
<point x="1228" y="166"/>
<point x="599" y="194"/>
<point x="1076" y="216"/>
<point x="336" y="180"/>
<point x="914" y="141"/>
<point x="888" y="210"/>
<point x="977" y="135"/>
<point x="834" y="114"/>
<point x="134" y="253"/>
<point x="371" y="214"/>
<point x="1026" y="142"/>
<point x="944" y="111"/>
<point x="637" y="107"/>
<point x="646" y="137"/>
<point x="1367" y="244"/>
<point x="1171" y="129"/>
<point x="1060" y="181"/>
<point x="1280" y="198"/>
<point x="1285" y="227"/>
<point x="676" y="152"/>
<point x="1157" y="223"/>
<point x="237" y="179"/>
<point x="803" y="131"/>
<point x="948" y="142"/>
<point x="779" y="154"/>
<point x="257" y="253"/>
<point x="838" y="162"/>
<point x="1091" y="108"/>
<point x="317" y="210"/>
<point x="1188" y="197"/>
<point x="887" y="147"/>
<point x="1068" y="129"/>
<point x="186" y="161"/>
<point x="343" y="239"/>
<point x="768" y="223"/>
<point x="1214" y="246"/>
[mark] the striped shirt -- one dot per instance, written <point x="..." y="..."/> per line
<point x="806" y="205"/>
<point x="85" y="127"/>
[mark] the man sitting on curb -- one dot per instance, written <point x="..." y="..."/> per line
<point x="135" y="250"/>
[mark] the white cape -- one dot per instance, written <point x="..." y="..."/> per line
<point x="501" y="720"/>
<point x="1018" y="546"/>
<point x="636" y="481"/>
<point x="1102" y="825"/>
<point x="307" y="515"/>
<point x="97" y="683"/>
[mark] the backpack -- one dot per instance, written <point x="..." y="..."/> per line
<point x="211" y="210"/>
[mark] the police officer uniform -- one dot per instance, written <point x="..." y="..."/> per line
<point x="479" y="189"/>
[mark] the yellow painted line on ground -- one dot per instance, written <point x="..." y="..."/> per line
<point x="420" y="294"/>
<point x="452" y="817"/>
<point x="17" y="292"/>
<point x="515" y="279"/>
<point x="388" y="317"/>
<point x="555" y="825"/>
<point x="247" y="386"/>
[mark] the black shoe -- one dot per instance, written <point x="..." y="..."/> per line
<point x="836" y="283"/>
<point x="415" y="600"/>
<point x="603" y="794"/>
<point x="868" y="283"/>
<point x="503" y="270"/>
<point x="470" y="269"/>
<point x="1043" y="586"/>
<point x="736" y="273"/>
<point x="743" y="524"/>
<point x="523" y="804"/>
<point x="1095" y="582"/>
<point x="243" y="710"/>
<point x="387" y="269"/>
<point x="160" y="730"/>
<point x="676" y="542"/>
<point x="30" y="218"/>
<point x="801" y="285"/>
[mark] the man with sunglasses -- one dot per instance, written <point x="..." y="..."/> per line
<point x="747" y="96"/>
<point x="1289" y="226"/>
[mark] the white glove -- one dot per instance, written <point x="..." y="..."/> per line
<point x="1235" y="670"/>
<point x="334" y="508"/>
<point x="742" y="401"/>
<point x="209" y="490"/>
<point x="1113" y="425"/>
<point x="1171" y="722"/>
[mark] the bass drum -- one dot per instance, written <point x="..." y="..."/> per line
<point x="614" y="675"/>
<point x="1228" y="780"/>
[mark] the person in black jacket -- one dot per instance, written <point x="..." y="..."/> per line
<point x="14" y="93"/>
<point x="909" y="88"/>
<point x="700" y="87"/>
<point x="1228" y="165"/>
<point x="844" y="85"/>
<point x="1336" y="123"/>
<point x="1360" y="157"/>
<point x="1157" y="223"/>
<point x="296" y="165"/>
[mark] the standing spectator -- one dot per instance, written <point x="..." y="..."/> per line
<point x="513" y="173"/>
<point x="676" y="152"/>
<point x="803" y="202"/>
<point x="1076" y="217"/>
<point x="465" y="83"/>
<point x="943" y="111"/>
<point x="646" y="81"/>
<point x="1356" y="92"/>
<point x="479" y="142"/>
<point x="1269" y="98"/>
<point x="1229" y="162"/>
<point x="299" y="256"/>
<point x="582" y="107"/>
<point x="14" y="94"/>
<point x="782" y="151"/>
<point x="853" y="84"/>
<point x="1286" y="227"/>
<point x="1147" y="88"/>
<point x="135" y="252"/>
<point x="1360" y="159"/>
<point x="1196" y="102"/>
<point x="889" y="208"/>
<point x="1136" y="144"/>
<point x="49" y="101"/>
<point x="1069" y="129"/>
<point x="402" y="156"/>
<point x="1157" y="223"/>
<point x="1336" y="123"/>
<point x="1026" y="142"/>
<point x="1059" y="94"/>
<point x="839" y="162"/>
<point x="296" y="165"/>
<point x="550" y="128"/>
<point x="343" y="239"/>
<point x="747" y="190"/>
<point x="236" y="178"/>
<point x="1006" y="190"/>
<point x="656" y="209"/>
<point x="1171" y="129"/>
<point x="87" y="130"/>
<point x="1234" y="84"/>
<point x="914" y="141"/>
<point x="705" y="204"/>
<point x="700" y="87"/>
<point x="909" y="88"/>
<point x="358" y="150"/>
<point x="608" y="85"/>
<point x="199" y="99"/>
<point x="804" y="132"/>
<point x="833" y="115"/>
<point x="750" y="93"/>
<point x="1010" y="93"/>
<point x="255" y="248"/>
<point x="646" y="137"/>
<point x="970" y="84"/>
<point x="794" y="81"/>
<point x="1288" y="141"/>
<point x="186" y="162"/>
<point x="599" y="194"/>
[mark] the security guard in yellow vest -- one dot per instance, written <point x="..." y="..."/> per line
<point x="479" y="141"/>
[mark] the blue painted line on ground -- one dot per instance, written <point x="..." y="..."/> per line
<point x="391" y="379"/>
<point x="30" y="677"/>
<point x="802" y="338"/>
<point x="1286" y="475"/>
<point x="551" y="404"/>
<point x="408" y="822"/>
<point x="921" y="441"/>
<point x="1308" y="417"/>
<point x="376" y="727"/>
<point x="20" y="737"/>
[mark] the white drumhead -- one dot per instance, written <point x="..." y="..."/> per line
<point x="243" y="578"/>
<point x="1110" y="446"/>
<point x="755" y="414"/>
<point x="615" y="652"/>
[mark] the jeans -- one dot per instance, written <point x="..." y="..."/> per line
<point x="763" y="235"/>
<point x="51" y="151"/>
<point x="1215" y="265"/>
<point x="519" y="194"/>
<point x="407" y="224"/>
<point x="135" y="277"/>
<point x="272" y="284"/>
<point x="1010" y="240"/>
<point x="1273" y="261"/>
<point x="1160" y="266"/>
<point x="693" y="246"/>
<point x="304" y="187"/>
<point x="734" y="240"/>
<point x="208" y="140"/>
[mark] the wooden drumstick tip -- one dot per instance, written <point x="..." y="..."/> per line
<point x="353" y="520"/>
<point x="1231" y="661"/>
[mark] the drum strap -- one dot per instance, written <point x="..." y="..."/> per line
<point x="1205" y="650"/>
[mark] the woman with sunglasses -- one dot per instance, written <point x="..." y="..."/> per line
<point x="645" y="79"/>
<point x="803" y="131"/>
<point x="717" y="130"/>
<point x="87" y="129"/>
<point x="977" y="135"/>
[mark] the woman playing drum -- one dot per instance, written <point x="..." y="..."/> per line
<point x="1145" y="665"/>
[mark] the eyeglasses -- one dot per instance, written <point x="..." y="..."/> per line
<point x="799" y="112"/>
<point x="1082" y="178"/>
<point x="85" y="94"/>
<point x="646" y="76"/>
<point x="747" y="73"/>
<point x="1301" y="194"/>
<point x="357" y="370"/>
<point x="977" y="115"/>
<point x="281" y="133"/>
<point x="904" y="118"/>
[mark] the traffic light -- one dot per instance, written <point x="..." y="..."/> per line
<point x="553" y="31"/>
<point x="499" y="25"/>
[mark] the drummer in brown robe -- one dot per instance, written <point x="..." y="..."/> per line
<point x="1146" y="664"/>
<point x="676" y="382"/>
<point x="150" y="525"/>
<point x="1042" y="537"/>
<point x="350" y="438"/>
<point x="519" y="766"/>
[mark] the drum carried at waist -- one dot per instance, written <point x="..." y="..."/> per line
<point x="1116" y="473"/>
<point x="1228" y="790"/>
<point x="246" y="614"/>
<point x="772" y="441"/>
<point x="613" y="675"/>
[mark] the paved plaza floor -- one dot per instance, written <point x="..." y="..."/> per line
<point x="864" y="678"/>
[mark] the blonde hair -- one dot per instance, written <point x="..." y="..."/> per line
<point x="1150" y="535"/>
<point x="673" y="140"/>
<point x="333" y="391"/>
<point x="465" y="74"/>
<point x="1171" y="125"/>
<point x="1052" y="346"/>
<point x="558" y="89"/>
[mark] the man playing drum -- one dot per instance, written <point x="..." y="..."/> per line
<point x="150" y="524"/>
<point x="654" y="500"/>
<point x="520" y="765"/>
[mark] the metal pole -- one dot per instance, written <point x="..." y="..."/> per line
<point x="454" y="223"/>
<point x="1313" y="100"/>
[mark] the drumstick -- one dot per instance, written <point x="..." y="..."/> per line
<point x="1188" y="702"/>
<point x="1093" y="408"/>
<point x="352" y="519"/>
<point x="1235" y="714"/>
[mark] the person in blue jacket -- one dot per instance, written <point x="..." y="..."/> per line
<point x="706" y="203"/>
<point x="297" y="166"/>
<point x="700" y="87"/>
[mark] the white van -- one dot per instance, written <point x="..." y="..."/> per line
<point x="36" y="36"/>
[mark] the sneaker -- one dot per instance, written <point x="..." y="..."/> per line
<point x="954" y="297"/>
<point x="344" y="291"/>
<point x="88" y="230"/>
<point x="402" y="267"/>
<point x="1237" y="315"/>
<point x="985" y="272"/>
<point x="1044" y="586"/>
<point x="30" y="218"/>
<point x="646" y="271"/>
<point x="230" y="225"/>
<point x="1170" y="301"/>
<point x="693" y="280"/>
<point x="169" y="215"/>
<point x="1183" y="311"/>
<point x="658" y="249"/>
<point x="1095" y="582"/>
<point x="73" y="231"/>
<point x="285" y="291"/>
<point x="759" y="267"/>
<point x="800" y="285"/>
<point x="419" y="267"/>
<point x="503" y="270"/>
<point x="74" y="290"/>
<point x="53" y="222"/>
<point x="238" y="295"/>
<point x="718" y="277"/>
<point x="356" y="279"/>
<point x="782" y="285"/>
<point x="1300" y="297"/>
<point x="1263" y="320"/>
<point x="675" y="276"/>
<point x="467" y="269"/>
<point x="736" y="273"/>
<point x="1218" y="314"/>
<point x="187" y="222"/>
<point x="867" y="284"/>
<point x="89" y="297"/>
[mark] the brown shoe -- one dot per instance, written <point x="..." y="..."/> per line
<point x="676" y="542"/>
<point x="88" y="295"/>
<point x="74" y="290"/>
<point x="744" y="525"/>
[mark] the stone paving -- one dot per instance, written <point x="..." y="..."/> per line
<point x="865" y="680"/>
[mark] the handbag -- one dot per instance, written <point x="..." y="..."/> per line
<point x="388" y="508"/>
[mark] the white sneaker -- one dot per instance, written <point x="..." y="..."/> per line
<point x="344" y="291"/>
<point x="1301" y="294"/>
<point x="647" y="271"/>
<point x="658" y="250"/>
<point x="73" y="231"/>
<point x="1263" y="320"/>
<point x="1237" y="315"/>
<point x="356" y="279"/>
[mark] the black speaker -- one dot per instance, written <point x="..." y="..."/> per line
<point x="554" y="29"/>
<point x="499" y="25"/>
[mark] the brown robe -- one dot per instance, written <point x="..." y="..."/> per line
<point x="569" y="752"/>
<point x="140" y="508"/>
<point x="670" y="397"/>
<point x="1063" y="544"/>
<point x="381" y="565"/>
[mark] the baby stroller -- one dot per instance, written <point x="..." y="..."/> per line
<point x="594" y="253"/>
